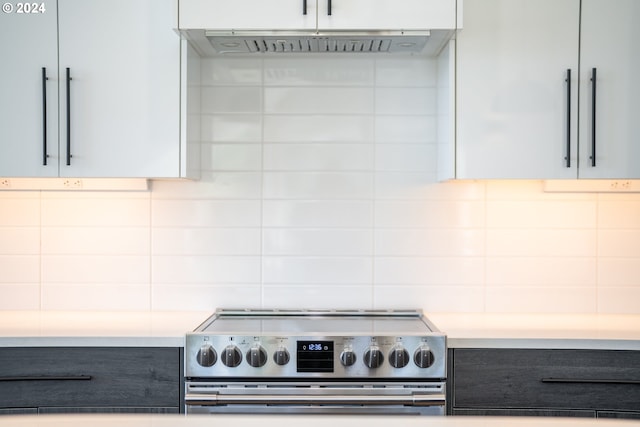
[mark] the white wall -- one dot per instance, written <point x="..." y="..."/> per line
<point x="319" y="190"/>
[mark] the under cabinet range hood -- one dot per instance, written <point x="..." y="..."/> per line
<point x="222" y="27"/>
<point x="343" y="42"/>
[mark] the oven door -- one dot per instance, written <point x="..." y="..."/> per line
<point x="316" y="398"/>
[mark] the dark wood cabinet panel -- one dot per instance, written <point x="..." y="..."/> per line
<point x="524" y="412"/>
<point x="550" y="380"/>
<point x="617" y="414"/>
<point x="90" y="377"/>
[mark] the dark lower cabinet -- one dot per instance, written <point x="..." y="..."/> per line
<point x="90" y="380"/>
<point x="541" y="382"/>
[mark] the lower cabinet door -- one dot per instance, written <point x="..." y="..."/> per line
<point x="525" y="413"/>
<point x="90" y="378"/>
<point x="107" y="410"/>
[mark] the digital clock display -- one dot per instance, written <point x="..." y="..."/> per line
<point x="315" y="356"/>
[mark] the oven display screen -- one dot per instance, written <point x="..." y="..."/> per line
<point x="315" y="356"/>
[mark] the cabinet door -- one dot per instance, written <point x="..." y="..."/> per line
<point x="247" y="14"/>
<point x="28" y="43"/>
<point x="609" y="43"/>
<point x="512" y="99"/>
<point x="386" y="14"/>
<point x="124" y="99"/>
<point x="85" y="379"/>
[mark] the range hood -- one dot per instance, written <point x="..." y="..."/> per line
<point x="210" y="43"/>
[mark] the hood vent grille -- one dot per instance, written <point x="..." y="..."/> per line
<point x="318" y="44"/>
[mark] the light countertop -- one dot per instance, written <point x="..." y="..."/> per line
<point x="297" y="421"/>
<point x="84" y="328"/>
<point x="575" y="331"/>
<point x="470" y="330"/>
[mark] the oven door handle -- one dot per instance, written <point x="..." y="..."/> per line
<point x="330" y="399"/>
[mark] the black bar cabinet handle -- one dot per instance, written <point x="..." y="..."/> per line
<point x="329" y="7"/>
<point x="47" y="378"/>
<point x="304" y="7"/>
<point x="589" y="381"/>
<point x="594" y="83"/>
<point x="568" y="158"/>
<point x="68" y="117"/>
<point x="44" y="116"/>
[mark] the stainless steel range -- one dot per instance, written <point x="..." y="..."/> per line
<point x="316" y="361"/>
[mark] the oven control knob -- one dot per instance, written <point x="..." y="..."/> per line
<point x="399" y="357"/>
<point x="281" y="356"/>
<point x="373" y="357"/>
<point x="348" y="357"/>
<point x="423" y="357"/>
<point x="206" y="356"/>
<point x="231" y="356"/>
<point x="257" y="356"/>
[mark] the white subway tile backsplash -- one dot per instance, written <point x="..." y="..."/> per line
<point x="536" y="214"/>
<point x="19" y="269"/>
<point x="19" y="241"/>
<point x="318" y="157"/>
<point x="206" y="241"/>
<point x="22" y="296"/>
<point x="429" y="242"/>
<point x="618" y="272"/>
<point x="406" y="101"/>
<point x="236" y="128"/>
<point x="615" y="300"/>
<point x="205" y="270"/>
<point x="429" y="271"/>
<point x="431" y="299"/>
<point x="429" y="213"/>
<point x="221" y="99"/>
<point x="288" y="270"/>
<point x="212" y="186"/>
<point x="205" y="213"/>
<point x="542" y="242"/>
<point x="96" y="297"/>
<point x="402" y="72"/>
<point x="318" y="185"/>
<point x="542" y="271"/>
<point x="94" y="269"/>
<point x="541" y="299"/>
<point x="187" y="297"/>
<point x="404" y="185"/>
<point x="317" y="242"/>
<point x="619" y="243"/>
<point x="406" y="158"/>
<point x="318" y="128"/>
<point x="96" y="212"/>
<point x="318" y="100"/>
<point x="232" y="157"/>
<point x="324" y="71"/>
<point x="619" y="214"/>
<point x="406" y="129"/>
<point x="318" y="297"/>
<point x="19" y="211"/>
<point x="317" y="213"/>
<point x="231" y="71"/>
<point x="95" y="241"/>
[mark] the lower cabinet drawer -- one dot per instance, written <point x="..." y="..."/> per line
<point x="554" y="379"/>
<point x="90" y="377"/>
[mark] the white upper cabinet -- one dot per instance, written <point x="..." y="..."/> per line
<point x="512" y="93"/>
<point x="112" y="94"/>
<point x="247" y="14"/>
<point x="609" y="44"/>
<point x="124" y="62"/>
<point x="317" y="14"/>
<point x="29" y="92"/>
<point x="386" y="14"/>
<point x="517" y="112"/>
